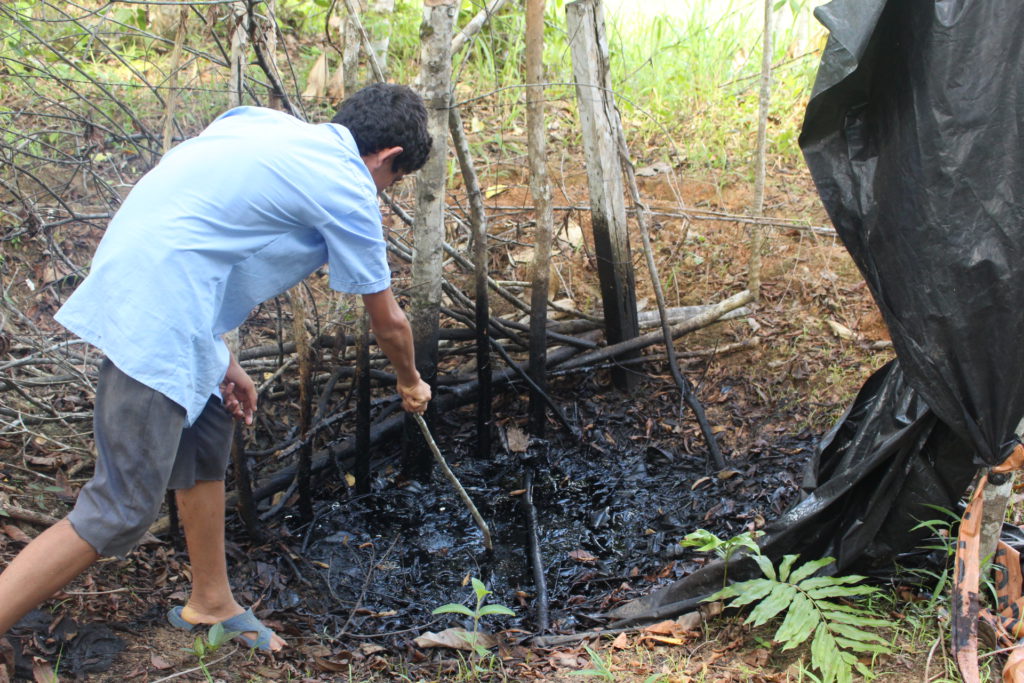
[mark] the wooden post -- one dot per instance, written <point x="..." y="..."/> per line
<point x="600" y="146"/>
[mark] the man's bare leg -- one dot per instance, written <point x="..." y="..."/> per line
<point x="201" y="509"/>
<point x="43" y="567"/>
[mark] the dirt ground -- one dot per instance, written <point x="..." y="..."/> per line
<point x="354" y="588"/>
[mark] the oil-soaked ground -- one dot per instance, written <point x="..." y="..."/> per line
<point x="611" y="510"/>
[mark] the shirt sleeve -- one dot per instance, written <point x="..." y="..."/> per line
<point x="356" y="251"/>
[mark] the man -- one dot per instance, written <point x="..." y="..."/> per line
<point x="226" y="221"/>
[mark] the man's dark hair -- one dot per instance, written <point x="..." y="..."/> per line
<point x="385" y="115"/>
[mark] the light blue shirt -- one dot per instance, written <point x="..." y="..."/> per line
<point x="225" y="221"/>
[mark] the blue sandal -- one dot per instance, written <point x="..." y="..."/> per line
<point x="243" y="623"/>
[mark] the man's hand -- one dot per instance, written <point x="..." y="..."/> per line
<point x="238" y="392"/>
<point x="415" y="397"/>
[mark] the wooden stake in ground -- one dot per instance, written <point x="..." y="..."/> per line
<point x="481" y="524"/>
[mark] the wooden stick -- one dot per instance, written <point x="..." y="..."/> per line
<point x="454" y="480"/>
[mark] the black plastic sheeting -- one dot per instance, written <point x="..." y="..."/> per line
<point x="915" y="138"/>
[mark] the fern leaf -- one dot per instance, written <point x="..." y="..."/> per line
<point x="820" y="581"/>
<point x="800" y="622"/>
<point x="809" y="568"/>
<point x="824" y="653"/>
<point x="858" y="618"/>
<point x="785" y="566"/>
<point x="753" y="591"/>
<point x="856" y="646"/>
<point x="767" y="568"/>
<point x="779" y="599"/>
<point x="864" y="671"/>
<point x="745" y="592"/>
<point x="826" y="592"/>
<point x="854" y="633"/>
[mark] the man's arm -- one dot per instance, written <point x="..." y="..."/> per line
<point x="394" y="337"/>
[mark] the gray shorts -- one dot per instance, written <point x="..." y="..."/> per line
<point x="143" y="448"/>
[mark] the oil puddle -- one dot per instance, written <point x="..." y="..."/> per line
<point x="610" y="514"/>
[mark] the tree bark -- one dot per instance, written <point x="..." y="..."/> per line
<point x="764" y="100"/>
<point x="428" y="225"/>
<point x="600" y="147"/>
<point x="478" y="221"/>
<point x="239" y="18"/>
<point x="540" y="189"/>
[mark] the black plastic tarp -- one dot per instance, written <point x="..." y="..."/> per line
<point x="915" y="139"/>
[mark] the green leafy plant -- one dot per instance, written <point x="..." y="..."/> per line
<point x="476" y="614"/>
<point x="600" y="668"/>
<point x="704" y="541"/>
<point x="206" y="645"/>
<point x="816" y="607"/>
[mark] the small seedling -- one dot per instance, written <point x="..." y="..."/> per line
<point x="480" y="611"/>
<point x="600" y="668"/>
<point x="205" y="645"/>
<point x="704" y="541"/>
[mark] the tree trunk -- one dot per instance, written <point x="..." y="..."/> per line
<point x="540" y="188"/>
<point x="428" y="224"/>
<point x="482" y="312"/>
<point x="239" y="19"/>
<point x="764" y="99"/>
<point x="600" y="147"/>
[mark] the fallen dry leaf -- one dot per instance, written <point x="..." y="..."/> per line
<point x="621" y="642"/>
<point x="659" y="640"/>
<point x="340" y="662"/>
<point x="582" y="556"/>
<point x="667" y="627"/>
<point x="158" y="662"/>
<point x="841" y="331"/>
<point x="564" y="660"/>
<point x="455" y="639"/>
<point x="42" y="672"/>
<point x="518" y="440"/>
<point x="691" y="621"/>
